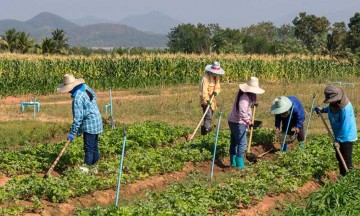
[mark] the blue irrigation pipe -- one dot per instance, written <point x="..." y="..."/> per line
<point x="216" y="139"/>
<point x="311" y="110"/>
<point x="284" y="145"/>
<point x="120" y="169"/>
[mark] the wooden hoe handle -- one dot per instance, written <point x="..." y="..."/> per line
<point x="251" y="130"/>
<point x="58" y="158"/>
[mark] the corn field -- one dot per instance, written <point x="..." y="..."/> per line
<point x="24" y="74"/>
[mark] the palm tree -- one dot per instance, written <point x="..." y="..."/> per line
<point x="23" y="42"/>
<point x="60" y="40"/>
<point x="48" y="45"/>
<point x="9" y="40"/>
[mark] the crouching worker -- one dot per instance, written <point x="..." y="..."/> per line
<point x="240" y="118"/>
<point x="281" y="108"/>
<point x="209" y="86"/>
<point x="342" y="120"/>
<point x="86" y="116"/>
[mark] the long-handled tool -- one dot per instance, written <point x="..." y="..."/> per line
<point x="202" y="118"/>
<point x="284" y="144"/>
<point x="336" y="145"/>
<point x="120" y="169"/>
<point x="249" y="155"/>
<point x="57" y="159"/>
<point x="216" y="140"/>
<point x="311" y="110"/>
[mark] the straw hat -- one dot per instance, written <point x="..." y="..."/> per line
<point x="69" y="83"/>
<point x="332" y="93"/>
<point x="215" y="68"/>
<point x="252" y="86"/>
<point x="280" y="105"/>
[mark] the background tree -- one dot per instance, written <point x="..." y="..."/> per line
<point x="9" y="40"/>
<point x="60" y="40"/>
<point x="336" y="39"/>
<point x="353" y="36"/>
<point x="48" y="45"/>
<point x="23" y="42"/>
<point x="312" y="31"/>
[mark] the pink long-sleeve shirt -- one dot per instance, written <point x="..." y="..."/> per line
<point x="243" y="116"/>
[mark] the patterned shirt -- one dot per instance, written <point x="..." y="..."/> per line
<point x="86" y="114"/>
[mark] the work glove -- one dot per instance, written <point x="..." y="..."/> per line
<point x="297" y="130"/>
<point x="71" y="137"/>
<point x="214" y="93"/>
<point x="251" y="125"/>
<point x="317" y="110"/>
<point x="208" y="103"/>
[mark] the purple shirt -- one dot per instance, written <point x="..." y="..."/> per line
<point x="243" y="116"/>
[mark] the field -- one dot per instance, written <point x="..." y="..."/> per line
<point x="163" y="174"/>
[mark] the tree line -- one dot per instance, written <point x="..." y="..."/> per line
<point x="308" y="34"/>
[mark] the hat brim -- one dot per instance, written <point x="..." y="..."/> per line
<point x="210" y="69"/>
<point x="278" y="110"/>
<point x="246" y="88"/>
<point x="333" y="99"/>
<point x="66" y="88"/>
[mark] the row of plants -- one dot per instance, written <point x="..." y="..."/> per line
<point x="341" y="198"/>
<point x="164" y="155"/>
<point x="41" y="75"/>
<point x="231" y="192"/>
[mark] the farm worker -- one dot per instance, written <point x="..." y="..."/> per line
<point x="342" y="120"/>
<point x="281" y="107"/>
<point x="240" y="118"/>
<point x="209" y="86"/>
<point x="86" y="116"/>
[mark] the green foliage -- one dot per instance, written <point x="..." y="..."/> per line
<point x="353" y="37"/>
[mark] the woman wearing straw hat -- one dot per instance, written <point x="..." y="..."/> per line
<point x="342" y="120"/>
<point x="86" y="115"/>
<point x="240" y="118"/>
<point x="281" y="107"/>
<point x="209" y="86"/>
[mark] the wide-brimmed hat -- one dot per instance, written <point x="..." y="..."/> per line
<point x="280" y="105"/>
<point x="252" y="86"/>
<point x="332" y="93"/>
<point x="215" y="68"/>
<point x="69" y="83"/>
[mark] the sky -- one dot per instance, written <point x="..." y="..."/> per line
<point x="228" y="13"/>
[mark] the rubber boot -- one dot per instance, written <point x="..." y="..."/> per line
<point x="203" y="130"/>
<point x="301" y="145"/>
<point x="233" y="160"/>
<point x="240" y="162"/>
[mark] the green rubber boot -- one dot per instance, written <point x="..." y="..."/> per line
<point x="240" y="162"/>
<point x="233" y="160"/>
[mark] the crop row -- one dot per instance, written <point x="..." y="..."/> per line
<point x="285" y="172"/>
<point x="41" y="75"/>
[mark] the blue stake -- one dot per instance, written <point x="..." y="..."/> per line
<point x="311" y="110"/>
<point x="120" y="169"/>
<point x="216" y="139"/>
<point x="284" y="145"/>
<point x="111" y="112"/>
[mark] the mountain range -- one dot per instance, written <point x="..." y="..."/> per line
<point x="147" y="30"/>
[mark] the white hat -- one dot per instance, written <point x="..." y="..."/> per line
<point x="280" y="105"/>
<point x="215" y="68"/>
<point x="252" y="86"/>
<point x="69" y="83"/>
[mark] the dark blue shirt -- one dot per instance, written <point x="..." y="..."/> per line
<point x="298" y="116"/>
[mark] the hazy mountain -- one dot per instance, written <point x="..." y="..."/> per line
<point x="97" y="35"/>
<point x="90" y="20"/>
<point x="114" y="35"/>
<point x="154" y="21"/>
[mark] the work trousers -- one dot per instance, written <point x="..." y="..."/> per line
<point x="92" y="154"/>
<point x="208" y="117"/>
<point x="346" y="152"/>
<point x="237" y="139"/>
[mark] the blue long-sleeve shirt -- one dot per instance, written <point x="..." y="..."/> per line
<point x="298" y="116"/>
<point x="86" y="114"/>
<point x="343" y="123"/>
